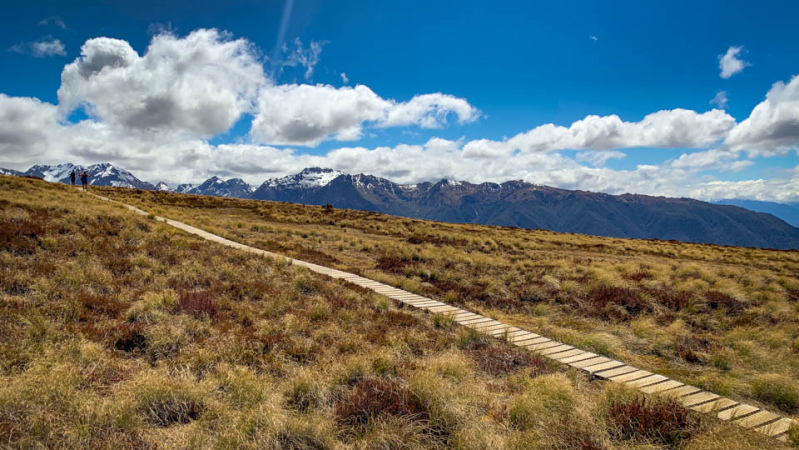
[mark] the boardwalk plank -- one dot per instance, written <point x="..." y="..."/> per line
<point x="737" y="412"/>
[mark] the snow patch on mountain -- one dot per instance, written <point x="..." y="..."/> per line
<point x="309" y="178"/>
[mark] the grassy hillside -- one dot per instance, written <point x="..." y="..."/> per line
<point x="118" y="331"/>
<point x="723" y="318"/>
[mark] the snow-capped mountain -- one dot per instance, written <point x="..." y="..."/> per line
<point x="185" y="188"/>
<point x="10" y="172"/>
<point x="512" y="203"/>
<point x="104" y="174"/>
<point x="163" y="187"/>
<point x="297" y="185"/>
<point x="234" y="187"/>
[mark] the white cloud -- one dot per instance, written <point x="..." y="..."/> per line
<point x="200" y="84"/>
<point x="27" y="129"/>
<point x="675" y="128"/>
<point x="720" y="100"/>
<point x="429" y="111"/>
<point x="40" y="49"/>
<point x="773" y="126"/>
<point x="344" y="78"/>
<point x="714" y="159"/>
<point x="592" y="37"/>
<point x="297" y="55"/>
<point x="599" y="158"/>
<point x="730" y="64"/>
<point x="309" y="114"/>
<point x="306" y="115"/>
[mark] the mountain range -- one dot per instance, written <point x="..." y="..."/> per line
<point x="513" y="203"/>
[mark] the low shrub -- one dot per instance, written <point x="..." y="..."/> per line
<point x="375" y="396"/>
<point x="498" y="360"/>
<point x="603" y="298"/>
<point x="665" y="422"/>
<point x="196" y="303"/>
<point x="717" y="300"/>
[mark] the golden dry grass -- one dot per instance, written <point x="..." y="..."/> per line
<point x="117" y="331"/>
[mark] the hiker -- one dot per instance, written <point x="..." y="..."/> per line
<point x="84" y="179"/>
<point x="72" y="177"/>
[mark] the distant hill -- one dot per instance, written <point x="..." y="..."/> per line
<point x="513" y="203"/>
<point x="788" y="212"/>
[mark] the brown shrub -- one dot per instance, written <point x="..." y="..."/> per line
<point x="498" y="360"/>
<point x="196" y="303"/>
<point x="400" y="319"/>
<point x="20" y="237"/>
<point x="672" y="299"/>
<point x="392" y="264"/>
<point x="603" y="296"/>
<point x="638" y="276"/>
<point x="716" y="300"/>
<point x="665" y="422"/>
<point x="109" y="306"/>
<point x="373" y="397"/>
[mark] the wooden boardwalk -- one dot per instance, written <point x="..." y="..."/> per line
<point x="741" y="414"/>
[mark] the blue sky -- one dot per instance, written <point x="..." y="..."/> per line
<point x="520" y="65"/>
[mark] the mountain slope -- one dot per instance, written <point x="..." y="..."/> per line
<point x="10" y="172"/>
<point x="513" y="203"/>
<point x="786" y="212"/>
<point x="526" y="205"/>
<point x="104" y="174"/>
<point x="234" y="187"/>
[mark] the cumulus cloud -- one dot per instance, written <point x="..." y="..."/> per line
<point x="40" y="49"/>
<point x="27" y="128"/>
<point x="429" y="111"/>
<point x="309" y="114"/>
<point x="675" y="128"/>
<point x="200" y="84"/>
<point x="720" y="100"/>
<point x="714" y="159"/>
<point x="773" y="126"/>
<point x="730" y="63"/>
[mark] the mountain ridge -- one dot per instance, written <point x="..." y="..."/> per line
<point x="511" y="203"/>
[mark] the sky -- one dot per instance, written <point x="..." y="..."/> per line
<point x="677" y="98"/>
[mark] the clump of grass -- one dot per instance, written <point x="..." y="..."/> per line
<point x="717" y="300"/>
<point x="470" y="339"/>
<point x="614" y="302"/>
<point x="498" y="360"/>
<point x="305" y="393"/>
<point x="662" y="421"/>
<point x="373" y="397"/>
<point x="779" y="390"/>
<point x="164" y="401"/>
<point x="546" y="400"/>
<point x="638" y="276"/>
<point x="444" y="321"/>
<point x="196" y="303"/>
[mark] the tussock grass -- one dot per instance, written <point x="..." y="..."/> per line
<point x="117" y="331"/>
<point x="735" y="308"/>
